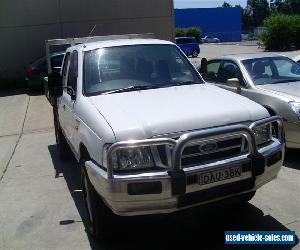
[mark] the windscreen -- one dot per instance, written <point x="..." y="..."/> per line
<point x="272" y="70"/>
<point x="114" y="68"/>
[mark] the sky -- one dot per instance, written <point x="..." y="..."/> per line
<point x="182" y="4"/>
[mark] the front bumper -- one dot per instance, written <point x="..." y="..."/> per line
<point x="179" y="189"/>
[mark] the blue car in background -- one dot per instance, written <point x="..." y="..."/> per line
<point x="189" y="45"/>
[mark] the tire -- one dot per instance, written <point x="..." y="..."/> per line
<point x="195" y="54"/>
<point x="99" y="222"/>
<point x="61" y="142"/>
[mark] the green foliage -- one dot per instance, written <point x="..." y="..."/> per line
<point x="285" y="6"/>
<point x="191" y="31"/>
<point x="283" y="31"/>
<point x="226" y="5"/>
<point x="260" y="9"/>
<point x="256" y="11"/>
<point x="296" y="33"/>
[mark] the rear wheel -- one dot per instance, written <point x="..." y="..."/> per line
<point x="195" y="53"/>
<point x="99" y="216"/>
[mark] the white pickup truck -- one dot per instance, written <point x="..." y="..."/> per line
<point x="150" y="135"/>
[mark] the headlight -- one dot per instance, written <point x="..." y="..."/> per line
<point x="132" y="158"/>
<point x="296" y="107"/>
<point x="263" y="134"/>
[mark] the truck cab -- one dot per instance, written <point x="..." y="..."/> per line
<point x="151" y="136"/>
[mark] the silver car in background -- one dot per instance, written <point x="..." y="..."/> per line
<point x="269" y="79"/>
<point x="210" y="39"/>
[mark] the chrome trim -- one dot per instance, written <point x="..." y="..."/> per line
<point x="133" y="143"/>
<point x="114" y="192"/>
<point x="211" y="152"/>
<point x="212" y="133"/>
<point x="271" y="119"/>
<point x="196" y="137"/>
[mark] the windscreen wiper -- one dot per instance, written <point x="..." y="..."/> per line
<point x="174" y="84"/>
<point x="286" y="81"/>
<point x="186" y="83"/>
<point x="130" y="88"/>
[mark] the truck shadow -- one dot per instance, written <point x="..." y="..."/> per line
<point x="202" y="228"/>
<point x="292" y="159"/>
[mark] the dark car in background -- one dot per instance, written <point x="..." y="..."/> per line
<point x="37" y="70"/>
<point x="188" y="45"/>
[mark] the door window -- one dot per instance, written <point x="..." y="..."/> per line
<point x="56" y="61"/>
<point x="65" y="68"/>
<point x="73" y="71"/>
<point x="221" y="71"/>
<point x="228" y="70"/>
<point x="212" y="71"/>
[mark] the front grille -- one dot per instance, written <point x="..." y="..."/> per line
<point x="192" y="155"/>
<point x="225" y="148"/>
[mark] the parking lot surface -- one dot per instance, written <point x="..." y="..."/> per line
<point x="40" y="196"/>
<point x="210" y="51"/>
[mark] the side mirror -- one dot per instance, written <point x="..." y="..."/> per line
<point x="235" y="83"/>
<point x="295" y="69"/>
<point x="203" y="66"/>
<point x="55" y="85"/>
<point x="71" y="92"/>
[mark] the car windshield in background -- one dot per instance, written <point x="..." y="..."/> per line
<point x="129" y="68"/>
<point x="272" y="70"/>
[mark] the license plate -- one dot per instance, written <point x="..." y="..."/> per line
<point x="220" y="175"/>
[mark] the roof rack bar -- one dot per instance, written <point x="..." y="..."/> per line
<point x="74" y="41"/>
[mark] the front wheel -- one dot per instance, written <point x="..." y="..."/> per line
<point x="99" y="216"/>
<point x="195" y="53"/>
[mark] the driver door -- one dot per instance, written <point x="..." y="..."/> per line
<point x="68" y="99"/>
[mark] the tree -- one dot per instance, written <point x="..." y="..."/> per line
<point x="247" y="19"/>
<point x="279" y="6"/>
<point x="259" y="9"/>
<point x="285" y="6"/>
<point x="226" y="5"/>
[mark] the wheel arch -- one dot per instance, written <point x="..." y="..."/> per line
<point x="83" y="152"/>
<point x="270" y="110"/>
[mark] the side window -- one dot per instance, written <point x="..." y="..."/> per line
<point x="227" y="71"/>
<point x="212" y="71"/>
<point x="65" y="68"/>
<point x="73" y="71"/>
<point x="182" y="41"/>
<point x="56" y="61"/>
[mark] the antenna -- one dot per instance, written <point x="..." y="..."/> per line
<point x="89" y="37"/>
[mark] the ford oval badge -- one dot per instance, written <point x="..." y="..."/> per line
<point x="208" y="147"/>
